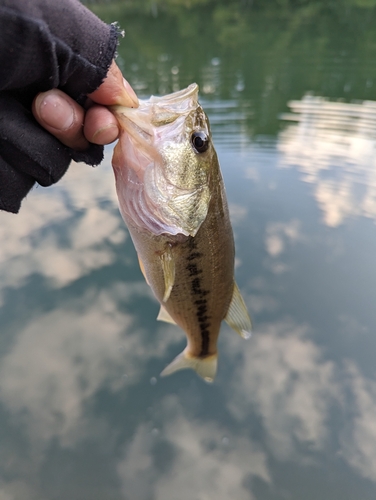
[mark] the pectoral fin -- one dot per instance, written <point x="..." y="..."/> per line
<point x="237" y="315"/>
<point x="164" y="316"/>
<point x="205" y="367"/>
<point x="168" y="266"/>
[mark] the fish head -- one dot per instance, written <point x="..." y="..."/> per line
<point x="164" y="163"/>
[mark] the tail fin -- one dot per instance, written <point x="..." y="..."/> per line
<point x="205" y="367"/>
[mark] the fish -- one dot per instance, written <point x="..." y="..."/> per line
<point x="172" y="198"/>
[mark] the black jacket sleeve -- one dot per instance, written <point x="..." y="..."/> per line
<point x="45" y="44"/>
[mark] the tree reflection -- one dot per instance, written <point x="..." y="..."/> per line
<point x="260" y="57"/>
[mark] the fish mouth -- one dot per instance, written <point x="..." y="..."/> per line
<point x="157" y="111"/>
<point x="176" y="98"/>
<point x="156" y="117"/>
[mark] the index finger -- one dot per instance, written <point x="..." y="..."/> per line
<point x="115" y="90"/>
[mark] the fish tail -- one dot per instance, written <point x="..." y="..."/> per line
<point x="205" y="367"/>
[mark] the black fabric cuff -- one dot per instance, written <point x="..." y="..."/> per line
<point x="14" y="186"/>
<point x="35" y="154"/>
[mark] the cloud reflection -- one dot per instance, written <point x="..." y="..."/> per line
<point x="333" y="145"/>
<point x="278" y="234"/>
<point x="203" y="463"/>
<point x="284" y="374"/>
<point x="57" y="362"/>
<point x="358" y="438"/>
<point x="62" y="358"/>
<point x="84" y="207"/>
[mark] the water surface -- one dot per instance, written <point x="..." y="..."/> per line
<point x="291" y="415"/>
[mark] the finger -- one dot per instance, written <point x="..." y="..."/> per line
<point x="115" y="90"/>
<point x="62" y="117"/>
<point x="101" y="126"/>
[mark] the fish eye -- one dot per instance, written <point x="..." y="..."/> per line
<point x="200" y="141"/>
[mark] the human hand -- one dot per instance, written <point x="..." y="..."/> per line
<point x="75" y="126"/>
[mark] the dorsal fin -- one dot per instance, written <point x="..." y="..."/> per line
<point x="237" y="315"/>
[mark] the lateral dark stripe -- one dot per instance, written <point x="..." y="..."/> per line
<point x="204" y="343"/>
<point x="200" y="293"/>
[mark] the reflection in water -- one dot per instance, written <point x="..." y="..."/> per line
<point x="358" y="440"/>
<point x="88" y="228"/>
<point x="62" y="354"/>
<point x="83" y="413"/>
<point x="333" y="144"/>
<point x="286" y="377"/>
<point x="204" y="462"/>
<point x="57" y="362"/>
<point x="229" y="123"/>
<point x="78" y="393"/>
<point x="278" y="233"/>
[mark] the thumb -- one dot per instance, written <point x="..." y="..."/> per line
<point x="115" y="90"/>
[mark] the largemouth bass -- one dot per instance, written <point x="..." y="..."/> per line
<point x="172" y="198"/>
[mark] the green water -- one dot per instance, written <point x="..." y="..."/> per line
<point x="292" y="412"/>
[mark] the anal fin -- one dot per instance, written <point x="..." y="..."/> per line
<point x="164" y="316"/>
<point x="237" y="315"/>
